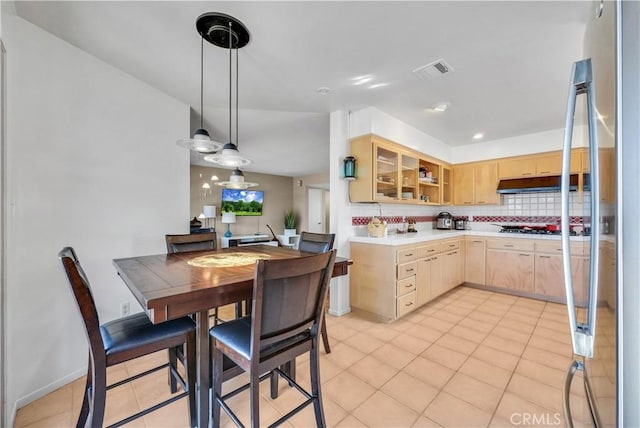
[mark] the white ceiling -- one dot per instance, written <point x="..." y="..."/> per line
<point x="511" y="60"/>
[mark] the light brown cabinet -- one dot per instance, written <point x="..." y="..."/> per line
<point x="510" y="264"/>
<point x="538" y="165"/>
<point x="549" y="272"/>
<point x="475" y="260"/>
<point x="391" y="173"/>
<point x="516" y="168"/>
<point x="476" y="184"/>
<point x="392" y="281"/>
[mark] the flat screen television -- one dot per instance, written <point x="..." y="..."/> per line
<point x="242" y="202"/>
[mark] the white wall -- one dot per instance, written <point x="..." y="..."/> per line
<point x="92" y="163"/>
<point x="340" y="213"/>
<point x="538" y="142"/>
<point x="370" y="120"/>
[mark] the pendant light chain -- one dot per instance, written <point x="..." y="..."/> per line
<point x="230" y="84"/>
<point x="237" y="116"/>
<point x="201" y="83"/>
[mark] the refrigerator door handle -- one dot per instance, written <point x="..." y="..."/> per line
<point x="566" y="392"/>
<point x="581" y="83"/>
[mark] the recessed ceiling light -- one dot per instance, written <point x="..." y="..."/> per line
<point x="378" y="85"/>
<point x="441" y="107"/>
<point x="361" y="80"/>
<point x="478" y="136"/>
<point x="323" y="90"/>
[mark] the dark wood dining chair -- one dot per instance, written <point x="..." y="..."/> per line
<point x="287" y="310"/>
<point x="318" y="243"/>
<point x="122" y="340"/>
<point x="191" y="242"/>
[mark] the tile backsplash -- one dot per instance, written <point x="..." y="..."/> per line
<point x="543" y="207"/>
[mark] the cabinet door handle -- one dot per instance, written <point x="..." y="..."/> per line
<point x="408" y="286"/>
<point x="408" y="254"/>
<point x="410" y="270"/>
<point x="452" y="245"/>
<point x="526" y="173"/>
<point x="545" y="172"/>
<point x="481" y="202"/>
<point x="467" y="202"/>
<point x="508" y="245"/>
<point x="408" y="304"/>
<point x="478" y="242"/>
<point x="524" y="255"/>
<point x="430" y="251"/>
<point x="545" y="257"/>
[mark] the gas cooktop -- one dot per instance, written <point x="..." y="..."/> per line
<point x="533" y="230"/>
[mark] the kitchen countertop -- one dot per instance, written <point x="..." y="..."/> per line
<point x="434" y="234"/>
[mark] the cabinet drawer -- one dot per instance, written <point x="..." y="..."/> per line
<point x="428" y="250"/>
<point x="407" y="255"/>
<point x="555" y="247"/>
<point x="519" y="245"/>
<point x="405" y="304"/>
<point x="406" y="285"/>
<point x="450" y="245"/>
<point x="406" y="270"/>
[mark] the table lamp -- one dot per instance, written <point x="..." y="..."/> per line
<point x="228" y="218"/>
<point x="209" y="212"/>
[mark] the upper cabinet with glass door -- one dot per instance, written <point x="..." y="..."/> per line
<point x="392" y="173"/>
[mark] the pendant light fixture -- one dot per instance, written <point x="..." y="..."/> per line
<point x="201" y="142"/>
<point x="236" y="181"/>
<point x="226" y="32"/>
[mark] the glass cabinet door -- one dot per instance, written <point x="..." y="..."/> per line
<point x="387" y="173"/>
<point x="409" y="184"/>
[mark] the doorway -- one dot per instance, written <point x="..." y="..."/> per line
<point x="318" y="210"/>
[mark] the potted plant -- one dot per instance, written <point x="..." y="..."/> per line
<point x="289" y="223"/>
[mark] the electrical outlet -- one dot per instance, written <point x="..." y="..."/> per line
<point x="125" y="309"/>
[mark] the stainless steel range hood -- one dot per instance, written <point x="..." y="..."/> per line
<point x="535" y="184"/>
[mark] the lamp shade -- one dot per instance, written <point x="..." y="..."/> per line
<point x="228" y="218"/>
<point x="209" y="211"/>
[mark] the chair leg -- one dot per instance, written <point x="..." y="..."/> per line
<point x="190" y="368"/>
<point x="216" y="387"/>
<point x="84" y="410"/>
<point x="325" y="336"/>
<point x="273" y="380"/>
<point x="173" y="362"/>
<point x="254" y="397"/>
<point x="99" y="390"/>
<point x="315" y="386"/>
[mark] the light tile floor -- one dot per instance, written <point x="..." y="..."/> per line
<point x="471" y="358"/>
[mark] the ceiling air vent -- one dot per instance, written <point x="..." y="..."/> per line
<point x="435" y="69"/>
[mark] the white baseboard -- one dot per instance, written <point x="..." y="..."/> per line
<point x="39" y="393"/>
<point x="345" y="311"/>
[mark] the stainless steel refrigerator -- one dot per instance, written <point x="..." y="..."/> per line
<point x="605" y="322"/>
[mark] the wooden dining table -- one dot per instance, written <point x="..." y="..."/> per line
<point x="170" y="286"/>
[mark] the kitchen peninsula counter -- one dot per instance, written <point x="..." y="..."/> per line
<point x="436" y="234"/>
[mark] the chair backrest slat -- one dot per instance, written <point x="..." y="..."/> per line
<point x="316" y="242"/>
<point x="81" y="290"/>
<point x="190" y="242"/>
<point x="289" y="296"/>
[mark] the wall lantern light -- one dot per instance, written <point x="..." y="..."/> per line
<point x="349" y="168"/>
